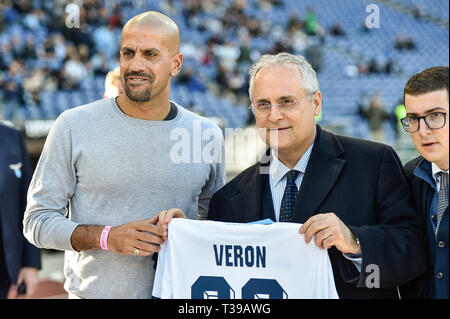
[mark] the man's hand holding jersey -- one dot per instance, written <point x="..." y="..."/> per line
<point x="330" y="231"/>
<point x="145" y="235"/>
<point x="139" y="237"/>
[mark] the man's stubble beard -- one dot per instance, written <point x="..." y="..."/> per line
<point x="138" y="96"/>
<point x="143" y="96"/>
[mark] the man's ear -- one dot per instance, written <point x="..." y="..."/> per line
<point x="177" y="63"/>
<point x="317" y="102"/>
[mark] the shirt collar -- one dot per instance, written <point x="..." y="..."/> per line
<point x="436" y="170"/>
<point x="278" y="170"/>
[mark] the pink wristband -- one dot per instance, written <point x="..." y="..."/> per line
<point x="104" y="237"/>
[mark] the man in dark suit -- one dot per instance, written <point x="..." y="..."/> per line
<point x="19" y="260"/>
<point x="426" y="98"/>
<point x="350" y="195"/>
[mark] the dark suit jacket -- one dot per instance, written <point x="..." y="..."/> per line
<point x="429" y="286"/>
<point x="18" y="252"/>
<point x="363" y="183"/>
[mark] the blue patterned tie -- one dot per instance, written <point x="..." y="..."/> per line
<point x="290" y="193"/>
<point x="442" y="197"/>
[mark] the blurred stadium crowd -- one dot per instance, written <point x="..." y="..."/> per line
<point x="47" y="67"/>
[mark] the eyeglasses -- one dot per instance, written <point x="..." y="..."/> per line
<point x="263" y="107"/>
<point x="434" y="121"/>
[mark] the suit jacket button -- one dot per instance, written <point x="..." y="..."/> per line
<point x="439" y="275"/>
<point x="441" y="244"/>
<point x="434" y="217"/>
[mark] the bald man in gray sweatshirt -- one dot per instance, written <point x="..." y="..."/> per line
<point x="110" y="168"/>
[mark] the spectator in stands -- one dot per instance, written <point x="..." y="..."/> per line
<point x="51" y="80"/>
<point x="363" y="103"/>
<point x="404" y="43"/>
<point x="221" y="78"/>
<point x="363" y="68"/>
<point x="228" y="54"/>
<point x="29" y="50"/>
<point x="312" y="23"/>
<point x="417" y="12"/>
<point x="191" y="51"/>
<point x="190" y="10"/>
<point x="267" y="5"/>
<point x="245" y="54"/>
<point x="99" y="64"/>
<point x="115" y="19"/>
<point x="105" y="40"/>
<point x="6" y="56"/>
<point x="19" y="260"/>
<point x="376" y="115"/>
<point x="281" y="46"/>
<point x="59" y="45"/>
<point x="188" y="78"/>
<point x="2" y="19"/>
<point x="375" y="66"/>
<point x="13" y="93"/>
<point x="392" y="67"/>
<point x="33" y="85"/>
<point x="16" y="47"/>
<point x="253" y="26"/>
<point x="337" y="30"/>
<point x="314" y="55"/>
<point x="236" y="83"/>
<point x="294" y="21"/>
<point x="74" y="71"/>
<point x="208" y="57"/>
<point x="53" y="58"/>
<point x="34" y="82"/>
<point x="297" y="37"/>
<point x="234" y="15"/>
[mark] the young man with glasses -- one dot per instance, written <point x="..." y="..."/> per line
<point x="426" y="101"/>
<point x="350" y="195"/>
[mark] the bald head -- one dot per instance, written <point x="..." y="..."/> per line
<point x="152" y="20"/>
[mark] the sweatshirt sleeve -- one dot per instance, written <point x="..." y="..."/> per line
<point x="46" y="223"/>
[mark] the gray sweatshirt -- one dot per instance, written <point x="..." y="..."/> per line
<point x="102" y="167"/>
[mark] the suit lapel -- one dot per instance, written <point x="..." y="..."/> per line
<point x="322" y="172"/>
<point x="426" y="200"/>
<point x="425" y="189"/>
<point x="246" y="204"/>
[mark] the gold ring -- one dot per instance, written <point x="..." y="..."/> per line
<point x="136" y="252"/>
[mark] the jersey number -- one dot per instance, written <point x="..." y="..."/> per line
<point x="211" y="287"/>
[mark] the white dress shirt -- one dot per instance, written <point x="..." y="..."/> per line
<point x="278" y="178"/>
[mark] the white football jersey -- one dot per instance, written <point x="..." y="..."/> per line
<point x="217" y="260"/>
